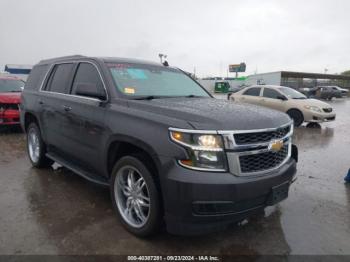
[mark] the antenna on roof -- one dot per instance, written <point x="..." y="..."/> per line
<point x="163" y="62"/>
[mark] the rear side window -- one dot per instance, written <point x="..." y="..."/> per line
<point x="87" y="74"/>
<point x="270" y="93"/>
<point x="60" y="79"/>
<point x="254" y="91"/>
<point x="36" y="77"/>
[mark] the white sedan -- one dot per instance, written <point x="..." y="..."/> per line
<point x="295" y="104"/>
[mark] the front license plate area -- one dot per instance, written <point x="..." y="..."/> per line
<point x="278" y="193"/>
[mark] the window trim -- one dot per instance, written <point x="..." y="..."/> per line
<point x="76" y="62"/>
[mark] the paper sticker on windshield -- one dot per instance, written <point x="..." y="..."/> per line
<point x="129" y="90"/>
<point x="136" y="73"/>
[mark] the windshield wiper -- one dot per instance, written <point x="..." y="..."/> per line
<point x="148" y="97"/>
<point x="193" y="96"/>
<point x="160" y="97"/>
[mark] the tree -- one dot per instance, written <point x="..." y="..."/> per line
<point x="346" y="73"/>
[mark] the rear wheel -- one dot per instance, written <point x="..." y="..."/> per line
<point x="297" y="116"/>
<point x="36" y="147"/>
<point x="135" y="196"/>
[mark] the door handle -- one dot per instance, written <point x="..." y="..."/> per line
<point x="67" y="108"/>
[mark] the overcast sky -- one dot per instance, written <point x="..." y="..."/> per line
<point x="208" y="35"/>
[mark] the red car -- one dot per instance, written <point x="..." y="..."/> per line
<point x="10" y="98"/>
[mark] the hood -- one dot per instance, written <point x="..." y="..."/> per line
<point x="313" y="102"/>
<point x="10" y="98"/>
<point x="213" y="114"/>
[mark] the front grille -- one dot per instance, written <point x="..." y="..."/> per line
<point x="263" y="161"/>
<point x="261" y="137"/>
<point x="4" y="107"/>
<point x="327" y="110"/>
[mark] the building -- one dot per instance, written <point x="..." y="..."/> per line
<point x="21" y="71"/>
<point x="298" y="80"/>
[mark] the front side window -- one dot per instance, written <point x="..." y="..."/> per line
<point x="87" y="74"/>
<point x="270" y="93"/>
<point x="10" y="85"/>
<point x="59" y="80"/>
<point x="137" y="80"/>
<point x="254" y="91"/>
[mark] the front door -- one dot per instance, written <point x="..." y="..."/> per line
<point x="89" y="114"/>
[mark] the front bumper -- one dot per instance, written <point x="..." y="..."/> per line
<point x="202" y="202"/>
<point x="319" y="117"/>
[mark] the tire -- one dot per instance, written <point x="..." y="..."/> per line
<point x="297" y="116"/>
<point x="36" y="147"/>
<point x="139" y="207"/>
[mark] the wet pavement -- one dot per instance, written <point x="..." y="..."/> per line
<point x="56" y="212"/>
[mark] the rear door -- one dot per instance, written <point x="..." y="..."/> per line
<point x="89" y="114"/>
<point x="251" y="96"/>
<point x="52" y="112"/>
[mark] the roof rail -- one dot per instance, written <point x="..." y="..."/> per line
<point x="45" y="61"/>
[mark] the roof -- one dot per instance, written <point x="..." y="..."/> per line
<point x="104" y="59"/>
<point x="292" y="74"/>
<point x="18" y="69"/>
<point x="270" y="86"/>
<point x="313" y="75"/>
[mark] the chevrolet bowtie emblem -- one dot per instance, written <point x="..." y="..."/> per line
<point x="276" y="145"/>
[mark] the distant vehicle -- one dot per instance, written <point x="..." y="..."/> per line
<point x="10" y="98"/>
<point x="343" y="91"/>
<point x="323" y="92"/>
<point x="295" y="104"/>
<point x="222" y="87"/>
<point x="329" y="92"/>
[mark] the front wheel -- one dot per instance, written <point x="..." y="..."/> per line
<point x="135" y="196"/>
<point x="297" y="116"/>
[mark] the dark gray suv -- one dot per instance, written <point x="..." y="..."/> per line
<point x="166" y="148"/>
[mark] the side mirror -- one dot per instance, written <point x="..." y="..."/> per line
<point x="90" y="90"/>
<point x="283" y="98"/>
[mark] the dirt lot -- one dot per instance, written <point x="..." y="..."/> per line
<point x="57" y="212"/>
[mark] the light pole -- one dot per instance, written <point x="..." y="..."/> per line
<point x="161" y="56"/>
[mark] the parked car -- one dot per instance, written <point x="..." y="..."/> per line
<point x="165" y="147"/>
<point x="295" y="104"/>
<point x="329" y="92"/>
<point x="10" y="97"/>
<point x="343" y="91"/>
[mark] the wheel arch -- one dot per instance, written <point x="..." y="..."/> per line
<point x="29" y="118"/>
<point x="121" y="145"/>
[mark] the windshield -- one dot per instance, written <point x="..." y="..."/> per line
<point x="291" y="93"/>
<point x="137" y="80"/>
<point x="11" y="85"/>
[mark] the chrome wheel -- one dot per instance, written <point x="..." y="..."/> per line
<point x="33" y="145"/>
<point x="132" y="196"/>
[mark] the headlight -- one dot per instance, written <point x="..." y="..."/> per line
<point x="314" y="108"/>
<point x="205" y="151"/>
